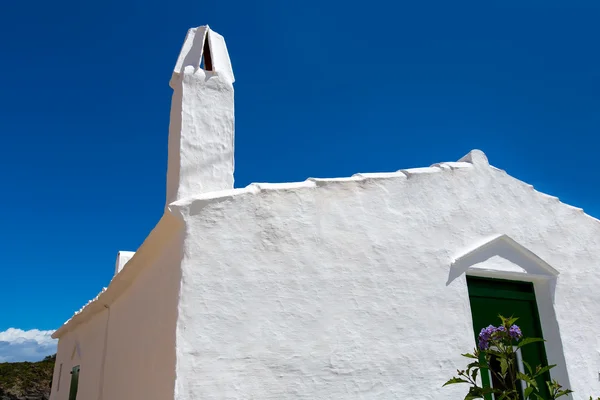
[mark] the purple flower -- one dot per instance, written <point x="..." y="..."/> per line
<point x="492" y="333"/>
<point x="483" y="344"/>
<point x="485" y="336"/>
<point x="486" y="333"/>
<point x="515" y="332"/>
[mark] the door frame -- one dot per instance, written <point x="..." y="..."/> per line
<point x="499" y="256"/>
<point x="510" y="290"/>
<point x="543" y="286"/>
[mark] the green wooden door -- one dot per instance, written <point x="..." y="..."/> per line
<point x="492" y="297"/>
<point x="74" y="383"/>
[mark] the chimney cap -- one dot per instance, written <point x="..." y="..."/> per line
<point x="199" y="41"/>
<point x="122" y="258"/>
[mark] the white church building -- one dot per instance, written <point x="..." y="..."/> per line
<point x="362" y="287"/>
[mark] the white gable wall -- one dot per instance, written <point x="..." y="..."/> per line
<point x="333" y="288"/>
<point x="137" y="312"/>
<point x="338" y="288"/>
<point x="127" y="349"/>
<point x="140" y="362"/>
<point x="83" y="346"/>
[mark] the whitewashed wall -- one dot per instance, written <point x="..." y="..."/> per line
<point x="338" y="289"/>
<point x="140" y="362"/>
<point x="137" y="313"/>
<point x="347" y="288"/>
<point x="83" y="347"/>
<point x="127" y="351"/>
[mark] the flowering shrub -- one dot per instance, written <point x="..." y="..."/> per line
<point x="497" y="346"/>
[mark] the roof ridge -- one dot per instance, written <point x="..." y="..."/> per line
<point x="256" y="187"/>
<point x="474" y="159"/>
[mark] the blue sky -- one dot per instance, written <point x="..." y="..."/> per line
<point x="323" y="89"/>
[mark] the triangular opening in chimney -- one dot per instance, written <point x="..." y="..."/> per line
<point x="206" y="62"/>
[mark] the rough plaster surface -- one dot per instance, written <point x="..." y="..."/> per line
<point x="325" y="289"/>
<point x="124" y="339"/>
<point x="340" y="288"/>
<point x="201" y="130"/>
<point x="140" y="361"/>
<point x="82" y="347"/>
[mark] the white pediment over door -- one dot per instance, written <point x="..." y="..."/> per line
<point x="503" y="256"/>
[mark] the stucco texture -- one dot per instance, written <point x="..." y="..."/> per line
<point x="201" y="129"/>
<point x="347" y="288"/>
<point x="339" y="289"/>
<point x="127" y="350"/>
<point x="81" y="347"/>
<point x="140" y="360"/>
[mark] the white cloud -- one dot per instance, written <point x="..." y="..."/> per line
<point x="20" y="345"/>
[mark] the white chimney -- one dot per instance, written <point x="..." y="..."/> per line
<point x="122" y="258"/>
<point x="201" y="132"/>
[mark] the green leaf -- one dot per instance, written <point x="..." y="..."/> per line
<point x="455" y="380"/>
<point x="488" y="390"/>
<point x="528" y="392"/>
<point x="540" y="371"/>
<point x="472" y="397"/>
<point x="528" y="367"/>
<point x="507" y="321"/>
<point x="527" y="341"/>
<point x="474" y="375"/>
<point x="494" y="353"/>
<point x="503" y="366"/>
<point x="468" y="355"/>
<point x="508" y="395"/>
<point x="564" y="393"/>
<point x="527" y="379"/>
<point x="474" y="393"/>
<point x="473" y="365"/>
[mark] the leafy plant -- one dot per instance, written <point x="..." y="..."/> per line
<point x="496" y="353"/>
<point x="25" y="380"/>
